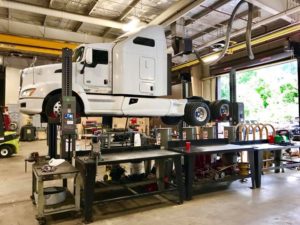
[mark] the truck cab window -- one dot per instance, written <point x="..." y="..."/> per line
<point x="78" y="54"/>
<point x="144" y="41"/>
<point x="100" y="57"/>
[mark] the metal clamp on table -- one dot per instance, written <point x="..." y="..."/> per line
<point x="88" y="167"/>
<point x="64" y="200"/>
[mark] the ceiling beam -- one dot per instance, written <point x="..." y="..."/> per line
<point x="35" y="42"/>
<point x="123" y="15"/>
<point x="38" y="31"/>
<point x="269" y="9"/>
<point x="60" y="14"/>
<point x="206" y="11"/>
<point x="170" y="11"/>
<point x="89" y="11"/>
<point x="225" y="22"/>
<point x="49" y="6"/>
<point x="182" y="13"/>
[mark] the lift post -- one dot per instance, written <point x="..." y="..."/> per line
<point x="1" y="128"/>
<point x="68" y="108"/>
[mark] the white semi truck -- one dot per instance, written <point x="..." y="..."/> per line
<point x="124" y="78"/>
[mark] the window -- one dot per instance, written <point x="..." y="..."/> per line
<point x="100" y="57"/>
<point x="144" y="41"/>
<point x="269" y="93"/>
<point x="78" y="54"/>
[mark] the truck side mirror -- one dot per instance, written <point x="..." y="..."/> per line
<point x="89" y="56"/>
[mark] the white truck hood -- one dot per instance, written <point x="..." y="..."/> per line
<point x="37" y="74"/>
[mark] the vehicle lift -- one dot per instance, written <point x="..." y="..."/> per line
<point x="67" y="118"/>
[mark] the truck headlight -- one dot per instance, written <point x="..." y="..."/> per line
<point x="28" y="92"/>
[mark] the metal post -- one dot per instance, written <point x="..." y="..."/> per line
<point x="190" y="133"/>
<point x="1" y="127"/>
<point x="68" y="112"/>
<point x="52" y="140"/>
<point x="298" y="62"/>
<point x="67" y="72"/>
<point x="185" y="82"/>
<point x="232" y="85"/>
<point x="165" y="136"/>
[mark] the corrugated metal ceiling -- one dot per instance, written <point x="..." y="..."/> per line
<point x="208" y="27"/>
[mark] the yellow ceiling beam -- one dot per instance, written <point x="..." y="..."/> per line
<point x="241" y="46"/>
<point x="35" y="42"/>
<point x="34" y="50"/>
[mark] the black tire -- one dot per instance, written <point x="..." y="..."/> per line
<point x="220" y="109"/>
<point x="5" y="151"/>
<point x="171" y="120"/>
<point x="53" y="107"/>
<point x="196" y="113"/>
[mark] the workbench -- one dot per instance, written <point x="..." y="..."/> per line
<point x="62" y="172"/>
<point x="259" y="148"/>
<point x="88" y="167"/>
<point x="189" y="160"/>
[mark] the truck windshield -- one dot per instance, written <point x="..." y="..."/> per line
<point x="78" y="54"/>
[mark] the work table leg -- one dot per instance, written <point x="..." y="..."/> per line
<point x="178" y="171"/>
<point x="277" y="160"/>
<point x="40" y="200"/>
<point x="160" y="173"/>
<point x="258" y="164"/>
<point x="88" y="175"/>
<point x="189" y="164"/>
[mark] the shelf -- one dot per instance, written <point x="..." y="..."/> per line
<point x="65" y="206"/>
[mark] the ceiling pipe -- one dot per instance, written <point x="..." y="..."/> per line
<point x="60" y="14"/>
<point x="254" y="26"/>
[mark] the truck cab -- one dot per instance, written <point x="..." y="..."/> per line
<point x="123" y="78"/>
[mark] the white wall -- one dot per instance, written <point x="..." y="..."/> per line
<point x="12" y="85"/>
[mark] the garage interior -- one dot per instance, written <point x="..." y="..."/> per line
<point x="149" y="111"/>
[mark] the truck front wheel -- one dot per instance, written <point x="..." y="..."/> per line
<point x="53" y="107"/>
<point x="196" y="113"/>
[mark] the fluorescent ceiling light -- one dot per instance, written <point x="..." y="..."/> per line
<point x="210" y="58"/>
<point x="131" y="25"/>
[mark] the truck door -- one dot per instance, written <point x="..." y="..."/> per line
<point x="97" y="73"/>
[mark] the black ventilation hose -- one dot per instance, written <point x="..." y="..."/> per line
<point x="229" y="28"/>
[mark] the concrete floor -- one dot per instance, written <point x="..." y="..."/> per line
<point x="277" y="202"/>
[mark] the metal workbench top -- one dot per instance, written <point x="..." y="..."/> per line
<point x="119" y="157"/>
<point x="136" y="155"/>
<point x="271" y="147"/>
<point x="214" y="148"/>
<point x="64" y="168"/>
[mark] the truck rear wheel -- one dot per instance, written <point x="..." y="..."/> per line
<point x="5" y="151"/>
<point x="196" y="113"/>
<point x="171" y="120"/>
<point x="220" y="109"/>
